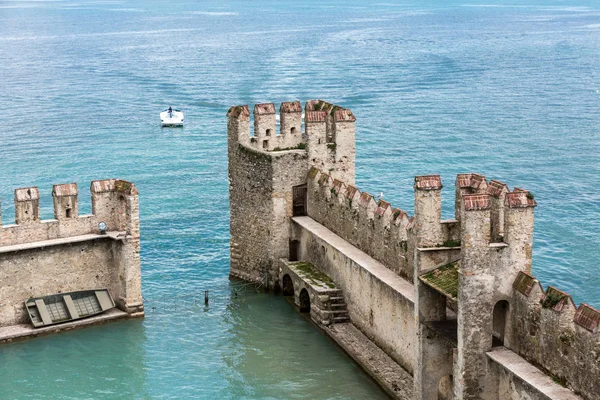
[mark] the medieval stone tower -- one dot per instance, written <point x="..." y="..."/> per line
<point x="267" y="167"/>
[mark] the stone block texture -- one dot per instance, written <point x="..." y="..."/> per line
<point x="67" y="253"/>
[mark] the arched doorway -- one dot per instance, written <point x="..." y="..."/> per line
<point x="304" y="301"/>
<point x="288" y="285"/>
<point x="499" y="325"/>
<point x="445" y="388"/>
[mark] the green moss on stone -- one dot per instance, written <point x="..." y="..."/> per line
<point x="313" y="275"/>
<point x="552" y="299"/>
<point x="450" y="243"/>
<point x="301" y="146"/>
<point x="444" y="279"/>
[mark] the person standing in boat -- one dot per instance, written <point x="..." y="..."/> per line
<point x="170" y="112"/>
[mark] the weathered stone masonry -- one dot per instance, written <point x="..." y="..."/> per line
<point x="452" y="302"/>
<point x="265" y="167"/>
<point x="68" y="253"/>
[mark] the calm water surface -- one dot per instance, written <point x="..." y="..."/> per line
<point x="510" y="90"/>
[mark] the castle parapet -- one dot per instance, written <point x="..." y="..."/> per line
<point x="374" y="226"/>
<point x="114" y="202"/>
<point x="549" y="330"/>
<point x="328" y="138"/>
<point x="83" y="256"/>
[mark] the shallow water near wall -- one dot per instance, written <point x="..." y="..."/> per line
<point x="512" y="92"/>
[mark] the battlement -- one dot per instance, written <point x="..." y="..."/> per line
<point x="114" y="202"/>
<point x="550" y="331"/>
<point x="71" y="252"/>
<point x="328" y="137"/>
<point x="372" y="225"/>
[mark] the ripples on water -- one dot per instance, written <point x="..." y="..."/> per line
<point x="508" y="91"/>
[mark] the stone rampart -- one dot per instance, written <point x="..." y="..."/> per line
<point x="373" y="226"/>
<point x="380" y="303"/>
<point x="453" y="302"/>
<point x="69" y="253"/>
<point x="264" y="169"/>
<point x="328" y="137"/>
<point x="552" y="333"/>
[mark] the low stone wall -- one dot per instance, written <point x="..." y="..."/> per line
<point x="514" y="378"/>
<point x="58" y="269"/>
<point x="379" y="302"/>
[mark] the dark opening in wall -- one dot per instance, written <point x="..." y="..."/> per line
<point x="499" y="325"/>
<point x="288" y="286"/>
<point x="68" y="213"/>
<point x="268" y="133"/>
<point x="294" y="244"/>
<point x="304" y="301"/>
<point x="265" y="144"/>
<point x="299" y="200"/>
<point x="293" y="130"/>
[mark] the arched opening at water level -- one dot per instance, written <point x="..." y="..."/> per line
<point x="288" y="285"/>
<point x="304" y="301"/>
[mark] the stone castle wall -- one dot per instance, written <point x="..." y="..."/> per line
<point x="469" y="285"/>
<point x="374" y="227"/>
<point x="265" y="167"/>
<point x="551" y="332"/>
<point x="43" y="257"/>
<point x="383" y="312"/>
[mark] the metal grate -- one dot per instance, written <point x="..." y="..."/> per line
<point x="86" y="305"/>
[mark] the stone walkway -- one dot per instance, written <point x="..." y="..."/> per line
<point x="519" y="367"/>
<point x="386" y="372"/>
<point x="24" y="331"/>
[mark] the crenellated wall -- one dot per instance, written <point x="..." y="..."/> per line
<point x="264" y="169"/>
<point x="373" y="226"/>
<point x="549" y="331"/>
<point x="453" y="302"/>
<point x="328" y="138"/>
<point x="69" y="253"/>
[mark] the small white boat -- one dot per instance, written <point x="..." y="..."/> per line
<point x="171" y="117"/>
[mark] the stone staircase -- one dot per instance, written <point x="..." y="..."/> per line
<point x="335" y="307"/>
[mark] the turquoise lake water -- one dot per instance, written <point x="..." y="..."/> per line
<point x="510" y="90"/>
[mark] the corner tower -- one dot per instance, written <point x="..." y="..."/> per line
<point x="267" y="176"/>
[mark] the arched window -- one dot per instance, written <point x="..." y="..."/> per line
<point x="268" y="133"/>
<point x="293" y="130"/>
